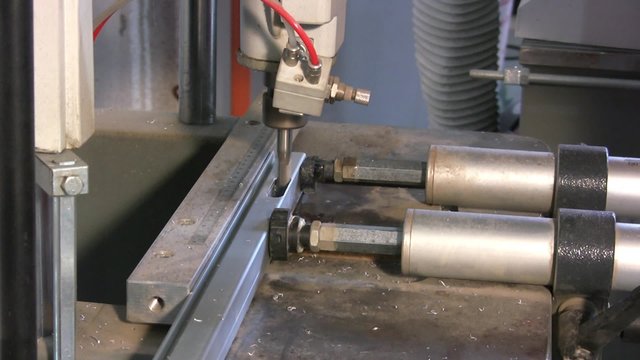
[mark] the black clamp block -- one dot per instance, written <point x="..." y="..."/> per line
<point x="584" y="255"/>
<point x="581" y="180"/>
<point x="279" y="234"/>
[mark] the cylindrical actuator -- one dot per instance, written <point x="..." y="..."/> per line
<point x="503" y="248"/>
<point x="518" y="180"/>
<point x="490" y="178"/>
<point x="623" y="187"/>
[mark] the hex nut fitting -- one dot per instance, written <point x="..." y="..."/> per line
<point x="314" y="236"/>
<point x="516" y="75"/>
<point x="362" y="96"/>
<point x="72" y="185"/>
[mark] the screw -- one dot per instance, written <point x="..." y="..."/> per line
<point x="72" y="185"/>
<point x="156" y="304"/>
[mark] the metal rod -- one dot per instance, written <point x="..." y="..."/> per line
<point x="555" y="79"/>
<point x="18" y="323"/>
<point x="380" y="172"/>
<point x="354" y="238"/>
<point x="64" y="277"/>
<point x="197" y="90"/>
<point x="486" y="74"/>
<point x="583" y="81"/>
<point x="284" y="158"/>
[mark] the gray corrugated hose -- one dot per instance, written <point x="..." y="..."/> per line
<point x="452" y="37"/>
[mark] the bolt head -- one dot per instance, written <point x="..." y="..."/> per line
<point x="72" y="185"/>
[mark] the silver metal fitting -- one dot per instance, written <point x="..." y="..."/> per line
<point x="63" y="174"/>
<point x="297" y="224"/>
<point x="72" y="185"/>
<point x="312" y="72"/>
<point x="290" y="55"/>
<point x="339" y="91"/>
<point x="516" y="76"/>
<point x="314" y="236"/>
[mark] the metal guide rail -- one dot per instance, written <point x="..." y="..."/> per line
<point x="212" y="314"/>
<point x="196" y="232"/>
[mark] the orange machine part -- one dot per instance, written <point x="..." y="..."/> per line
<point x="240" y="75"/>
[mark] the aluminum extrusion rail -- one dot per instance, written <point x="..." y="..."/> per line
<point x="212" y="314"/>
<point x="195" y="234"/>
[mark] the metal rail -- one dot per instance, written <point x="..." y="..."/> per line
<point x="522" y="76"/>
<point x="197" y="231"/>
<point x="212" y="314"/>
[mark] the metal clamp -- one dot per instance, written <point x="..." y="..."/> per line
<point x="63" y="174"/>
<point x="581" y="177"/>
<point x="279" y="234"/>
<point x="583" y="271"/>
<point x="585" y="244"/>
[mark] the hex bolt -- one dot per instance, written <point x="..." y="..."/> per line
<point x="359" y="239"/>
<point x="393" y="172"/>
<point x="72" y="185"/>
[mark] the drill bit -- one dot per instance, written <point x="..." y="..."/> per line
<point x="284" y="158"/>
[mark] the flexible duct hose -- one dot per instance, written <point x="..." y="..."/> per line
<point x="451" y="38"/>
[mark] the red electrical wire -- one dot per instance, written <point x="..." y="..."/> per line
<point x="98" y="28"/>
<point x="313" y="55"/>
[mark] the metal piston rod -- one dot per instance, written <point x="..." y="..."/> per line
<point x="480" y="178"/>
<point x="473" y="246"/>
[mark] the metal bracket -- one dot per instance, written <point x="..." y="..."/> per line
<point x="583" y="270"/>
<point x="581" y="177"/>
<point x="60" y="177"/>
<point x="585" y="243"/>
<point x="63" y="174"/>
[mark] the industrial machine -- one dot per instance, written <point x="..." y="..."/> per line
<point x="187" y="235"/>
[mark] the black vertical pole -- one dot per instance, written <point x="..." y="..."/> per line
<point x="17" y="184"/>
<point x="197" y="62"/>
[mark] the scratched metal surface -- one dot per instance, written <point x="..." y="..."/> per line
<point x="354" y="315"/>
<point x="342" y="307"/>
<point x="337" y="306"/>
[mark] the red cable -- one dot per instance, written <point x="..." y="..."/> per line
<point x="313" y="55"/>
<point x="98" y="28"/>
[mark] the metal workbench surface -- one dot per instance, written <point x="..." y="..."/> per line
<point x="325" y="306"/>
<point x="339" y="306"/>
